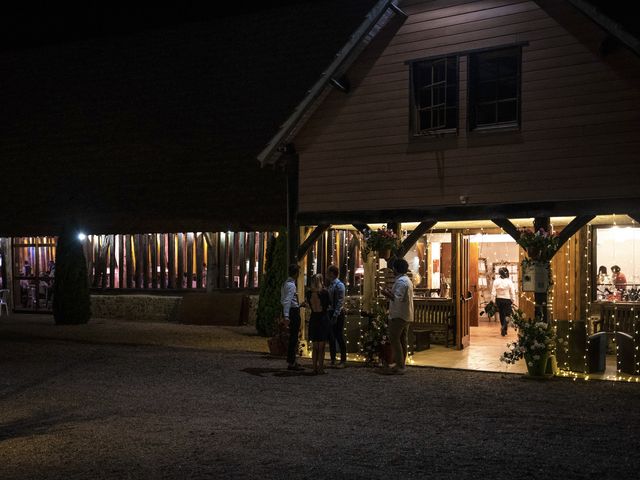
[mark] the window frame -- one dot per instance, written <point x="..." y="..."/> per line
<point x="415" y="132"/>
<point x="472" y="125"/>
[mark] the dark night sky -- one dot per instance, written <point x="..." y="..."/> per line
<point x="34" y="23"/>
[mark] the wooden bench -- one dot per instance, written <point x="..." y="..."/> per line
<point x="422" y="339"/>
<point x="434" y="315"/>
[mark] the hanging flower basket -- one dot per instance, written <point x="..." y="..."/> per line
<point x="540" y="245"/>
<point x="383" y="241"/>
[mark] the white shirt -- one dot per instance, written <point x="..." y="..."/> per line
<point x="288" y="296"/>
<point x="402" y="304"/>
<point x="503" y="288"/>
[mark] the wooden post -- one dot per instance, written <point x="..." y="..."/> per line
<point x="171" y="260"/>
<point x="293" y="234"/>
<point x="153" y="240"/>
<point x="199" y="259"/>
<point x="542" y="298"/>
<point x="252" y="260"/>
<point x="163" y="260"/>
<point x="180" y="272"/>
<point x="190" y="259"/>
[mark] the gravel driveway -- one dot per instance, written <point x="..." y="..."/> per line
<point x="71" y="410"/>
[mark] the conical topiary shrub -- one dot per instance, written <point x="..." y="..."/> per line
<point x="71" y="300"/>
<point x="269" y="306"/>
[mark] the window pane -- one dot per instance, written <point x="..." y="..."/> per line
<point x="425" y="120"/>
<point x="487" y="69"/>
<point x="507" y="88"/>
<point x="439" y="117"/>
<point x="439" y="94"/>
<point x="439" y="71"/>
<point x="508" y="111"/>
<point x="425" y="97"/>
<point x="486" y="114"/>
<point x="487" y="91"/>
<point x="618" y="247"/>
<point x="508" y="66"/>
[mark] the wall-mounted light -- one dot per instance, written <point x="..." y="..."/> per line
<point x="82" y="237"/>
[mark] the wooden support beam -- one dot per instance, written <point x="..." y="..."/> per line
<point x="311" y="239"/>
<point x="506" y="225"/>
<point x="635" y="216"/>
<point x="362" y="227"/>
<point x="414" y="236"/>
<point x="572" y="228"/>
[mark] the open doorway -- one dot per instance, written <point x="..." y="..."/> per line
<point x="488" y="255"/>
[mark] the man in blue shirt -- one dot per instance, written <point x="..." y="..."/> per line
<point x="336" y="316"/>
<point x="291" y="313"/>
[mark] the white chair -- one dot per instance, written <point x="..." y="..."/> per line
<point x="4" y="301"/>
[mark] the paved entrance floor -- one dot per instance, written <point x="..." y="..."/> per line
<point x="483" y="354"/>
<point x="486" y="346"/>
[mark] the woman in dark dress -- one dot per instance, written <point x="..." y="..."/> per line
<point x="317" y="299"/>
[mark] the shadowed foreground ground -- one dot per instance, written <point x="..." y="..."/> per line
<point x="71" y="410"/>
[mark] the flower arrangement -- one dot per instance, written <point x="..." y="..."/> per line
<point x="490" y="309"/>
<point x="540" y="245"/>
<point x="380" y="240"/>
<point x="375" y="336"/>
<point x="536" y="341"/>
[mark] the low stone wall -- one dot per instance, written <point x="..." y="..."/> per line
<point x="149" y="308"/>
<point x="142" y="308"/>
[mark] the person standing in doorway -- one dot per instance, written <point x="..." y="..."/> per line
<point x="400" y="313"/>
<point x="336" y="317"/>
<point x="291" y="313"/>
<point x="503" y="294"/>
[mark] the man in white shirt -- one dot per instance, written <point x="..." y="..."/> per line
<point x="503" y="294"/>
<point x="291" y="313"/>
<point x="400" y="313"/>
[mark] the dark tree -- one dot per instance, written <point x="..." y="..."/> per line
<point x="269" y="306"/>
<point x="71" y="300"/>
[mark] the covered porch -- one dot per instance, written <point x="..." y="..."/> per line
<point x="453" y="265"/>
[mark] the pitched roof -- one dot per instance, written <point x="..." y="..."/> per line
<point x="159" y="130"/>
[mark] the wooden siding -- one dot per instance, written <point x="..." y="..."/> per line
<point x="580" y="114"/>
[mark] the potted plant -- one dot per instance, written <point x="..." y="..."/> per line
<point x="383" y="240"/>
<point x="540" y="245"/>
<point x="376" y="345"/>
<point x="536" y="343"/>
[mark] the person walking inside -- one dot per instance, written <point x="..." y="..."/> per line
<point x="503" y="294"/>
<point x="317" y="300"/>
<point x="400" y="313"/>
<point x="336" y="317"/>
<point x="291" y="313"/>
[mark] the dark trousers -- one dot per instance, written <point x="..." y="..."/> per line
<point x="336" y="335"/>
<point x="294" y="330"/>
<point x="504" y="310"/>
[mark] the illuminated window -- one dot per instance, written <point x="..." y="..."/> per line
<point x="617" y="268"/>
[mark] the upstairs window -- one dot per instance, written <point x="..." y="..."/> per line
<point x="494" y="89"/>
<point x="435" y="95"/>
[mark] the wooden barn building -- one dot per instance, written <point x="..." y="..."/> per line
<point x="455" y="122"/>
